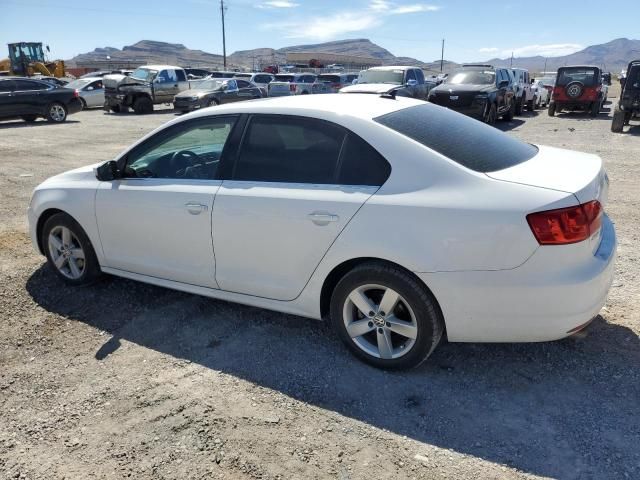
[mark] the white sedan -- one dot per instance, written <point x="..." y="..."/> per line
<point x="396" y="219"/>
<point x="541" y="93"/>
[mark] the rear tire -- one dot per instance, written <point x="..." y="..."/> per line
<point x="519" y="105"/>
<point x="83" y="103"/>
<point x="531" y="104"/>
<point x="617" y="124"/>
<point x="595" y="109"/>
<point x="115" y="108"/>
<point x="142" y="106"/>
<point x="403" y="336"/>
<point x="552" y="109"/>
<point x="69" y="251"/>
<point x="56" y="113"/>
<point x="510" y="113"/>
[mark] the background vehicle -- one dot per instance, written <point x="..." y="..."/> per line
<point x="262" y="80"/>
<point x="196" y="73"/>
<point x="27" y="59"/>
<point x="58" y="82"/>
<point x="481" y="91"/>
<point x="285" y="84"/>
<point x="628" y="106"/>
<point x="379" y="80"/>
<point x="102" y="73"/>
<point x="29" y="99"/>
<point x="336" y="81"/>
<point x="303" y="236"/>
<point x="91" y="91"/>
<point x="147" y="86"/>
<point x="540" y="93"/>
<point x="577" y="88"/>
<point x="548" y="82"/>
<point x="221" y="74"/>
<point x="216" y="92"/>
<point x="524" y="94"/>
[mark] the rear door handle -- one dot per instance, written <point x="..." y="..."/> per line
<point x="195" y="208"/>
<point x="322" y="218"/>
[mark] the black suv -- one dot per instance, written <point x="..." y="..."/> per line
<point x="629" y="104"/>
<point x="484" y="92"/>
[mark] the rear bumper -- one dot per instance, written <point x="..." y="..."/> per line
<point x="475" y="110"/>
<point x="544" y="299"/>
<point x="74" y="106"/>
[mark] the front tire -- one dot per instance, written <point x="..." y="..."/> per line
<point x="143" y="106"/>
<point x="552" y="109"/>
<point x="617" y="124"/>
<point x="491" y="115"/>
<point x="385" y="316"/>
<point x="520" y="105"/>
<point x="68" y="250"/>
<point x="56" y="113"/>
<point x="595" y="109"/>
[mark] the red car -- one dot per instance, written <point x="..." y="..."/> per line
<point x="577" y="88"/>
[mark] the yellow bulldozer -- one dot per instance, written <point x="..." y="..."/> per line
<point x="27" y="59"/>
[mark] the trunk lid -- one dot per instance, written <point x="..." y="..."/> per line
<point x="578" y="173"/>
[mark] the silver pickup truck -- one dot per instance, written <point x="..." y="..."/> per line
<point x="147" y="86"/>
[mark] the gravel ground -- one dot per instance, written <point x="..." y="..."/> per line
<point x="122" y="379"/>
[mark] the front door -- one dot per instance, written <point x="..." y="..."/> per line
<point x="156" y="220"/>
<point x="285" y="203"/>
<point x="166" y="85"/>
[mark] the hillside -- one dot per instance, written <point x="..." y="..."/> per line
<point x="149" y="51"/>
<point x="612" y="56"/>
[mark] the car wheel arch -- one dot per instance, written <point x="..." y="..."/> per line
<point x="42" y="219"/>
<point x="340" y="270"/>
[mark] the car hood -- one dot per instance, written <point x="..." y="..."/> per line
<point x="117" y="80"/>
<point x="71" y="177"/>
<point x="369" y="88"/>
<point x="462" y="88"/>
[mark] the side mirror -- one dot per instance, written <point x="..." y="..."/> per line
<point x="412" y="83"/>
<point x="503" y="84"/>
<point x="107" y="171"/>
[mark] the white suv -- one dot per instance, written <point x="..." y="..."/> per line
<point x="524" y="93"/>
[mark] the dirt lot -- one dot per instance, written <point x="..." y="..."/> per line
<point x="126" y="380"/>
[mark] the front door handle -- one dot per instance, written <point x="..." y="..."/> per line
<point x="322" y="218"/>
<point x="195" y="208"/>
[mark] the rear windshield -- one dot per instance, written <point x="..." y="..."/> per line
<point x="284" y="78"/>
<point x="329" y="78"/>
<point x="586" y="76"/>
<point x="464" y="140"/>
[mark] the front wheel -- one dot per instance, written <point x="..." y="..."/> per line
<point x="142" y="106"/>
<point x="552" y="109"/>
<point x="56" y="113"/>
<point x="68" y="250"/>
<point x="385" y="316"/>
<point x="617" y="124"/>
<point x="519" y="105"/>
<point x="491" y="114"/>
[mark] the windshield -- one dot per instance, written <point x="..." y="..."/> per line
<point x="548" y="80"/>
<point x="77" y="84"/>
<point x="209" y="85"/>
<point x="393" y="77"/>
<point x="144" y="74"/>
<point x="329" y="78"/>
<point x="472" y="77"/>
<point x="586" y="76"/>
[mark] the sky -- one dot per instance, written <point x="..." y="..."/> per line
<point x="473" y="30"/>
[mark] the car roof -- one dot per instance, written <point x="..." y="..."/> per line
<point x="337" y="105"/>
<point x="159" y="67"/>
<point x="392" y="67"/>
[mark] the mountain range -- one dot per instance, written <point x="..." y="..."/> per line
<point x="612" y="56"/>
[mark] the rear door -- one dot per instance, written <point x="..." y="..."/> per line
<point x="7" y="107"/>
<point x="29" y="96"/>
<point x="286" y="199"/>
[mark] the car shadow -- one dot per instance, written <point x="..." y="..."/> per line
<point x="559" y="409"/>
<point x="37" y="123"/>
<point x="162" y="111"/>
<point x="505" y="125"/>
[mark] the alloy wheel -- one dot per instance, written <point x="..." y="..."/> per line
<point x="380" y="321"/>
<point x="66" y="252"/>
<point x="57" y="113"/>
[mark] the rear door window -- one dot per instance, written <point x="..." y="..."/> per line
<point x="6" y="86"/>
<point x="420" y="76"/>
<point x="410" y="76"/>
<point x="27" y="85"/>
<point x="361" y="164"/>
<point x="181" y="76"/>
<point x="464" y="140"/>
<point x="289" y="149"/>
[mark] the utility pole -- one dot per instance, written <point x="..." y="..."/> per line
<point x="545" y="65"/>
<point x="442" y="56"/>
<point x="224" y="42"/>
<point x="511" y="60"/>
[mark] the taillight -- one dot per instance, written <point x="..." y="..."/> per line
<point x="76" y="93"/>
<point x="335" y="85"/>
<point x="293" y="87"/>
<point x="566" y="225"/>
